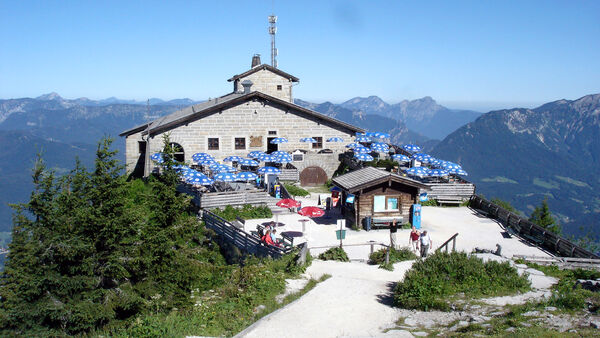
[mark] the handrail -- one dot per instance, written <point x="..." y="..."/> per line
<point x="453" y="239"/>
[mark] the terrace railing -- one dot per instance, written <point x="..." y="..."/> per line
<point x="530" y="232"/>
<point x="445" y="245"/>
<point x="244" y="241"/>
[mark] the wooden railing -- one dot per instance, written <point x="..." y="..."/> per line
<point x="563" y="262"/>
<point x="370" y="243"/>
<point x="529" y="231"/>
<point x="241" y="239"/>
<point x="441" y="191"/>
<point x="445" y="245"/>
<point x="219" y="199"/>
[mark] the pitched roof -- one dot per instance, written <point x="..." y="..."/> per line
<point x="266" y="67"/>
<point x="207" y="107"/>
<point x="369" y="176"/>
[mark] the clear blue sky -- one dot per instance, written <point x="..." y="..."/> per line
<point x="471" y="54"/>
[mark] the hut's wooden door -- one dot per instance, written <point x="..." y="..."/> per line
<point x="312" y="176"/>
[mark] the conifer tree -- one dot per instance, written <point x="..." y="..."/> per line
<point x="542" y="216"/>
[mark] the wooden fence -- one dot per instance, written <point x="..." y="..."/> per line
<point x="531" y="232"/>
<point x="244" y="241"/>
<point x="219" y="199"/>
<point x="443" y="191"/>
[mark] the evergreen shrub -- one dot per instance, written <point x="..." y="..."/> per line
<point x="296" y="191"/>
<point x="334" y="254"/>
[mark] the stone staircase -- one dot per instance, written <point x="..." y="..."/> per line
<point x="271" y="203"/>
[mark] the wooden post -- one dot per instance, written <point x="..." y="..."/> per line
<point x="454" y="244"/>
<point x="387" y="256"/>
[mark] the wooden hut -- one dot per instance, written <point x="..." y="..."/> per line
<point x="381" y="195"/>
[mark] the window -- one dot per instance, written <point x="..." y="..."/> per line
<point x="319" y="143"/>
<point x="272" y="132"/>
<point x="178" y="154"/>
<point x="385" y="203"/>
<point x="141" y="147"/>
<point x="298" y="157"/>
<point x="213" y="143"/>
<point x="279" y="87"/>
<point x="240" y="143"/>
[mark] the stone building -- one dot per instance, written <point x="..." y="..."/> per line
<point x="259" y="109"/>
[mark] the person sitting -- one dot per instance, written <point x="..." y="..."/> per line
<point x="268" y="240"/>
<point x="273" y="236"/>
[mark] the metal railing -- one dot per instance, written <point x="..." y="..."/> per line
<point x="370" y="243"/>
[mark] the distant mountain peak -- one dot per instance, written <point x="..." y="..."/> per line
<point x="53" y="96"/>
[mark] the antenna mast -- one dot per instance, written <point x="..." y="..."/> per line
<point x="272" y="31"/>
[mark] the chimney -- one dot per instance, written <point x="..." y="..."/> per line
<point x="255" y="60"/>
<point x="247" y="84"/>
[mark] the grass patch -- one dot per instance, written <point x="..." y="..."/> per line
<point x="378" y="257"/>
<point x="572" y="181"/>
<point x="499" y="179"/>
<point x="320" y="189"/>
<point x="295" y="190"/>
<point x="429" y="283"/>
<point x="334" y="254"/>
<point x="229" y="213"/>
<point x="545" y="184"/>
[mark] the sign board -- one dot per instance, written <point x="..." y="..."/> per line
<point x="423" y="197"/>
<point x="350" y="199"/>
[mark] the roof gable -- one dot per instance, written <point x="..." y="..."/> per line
<point x="369" y="176"/>
<point x="265" y="67"/>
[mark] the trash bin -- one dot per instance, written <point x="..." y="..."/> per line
<point x="340" y="234"/>
<point x="367" y="223"/>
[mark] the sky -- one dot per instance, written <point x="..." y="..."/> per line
<point x="479" y="55"/>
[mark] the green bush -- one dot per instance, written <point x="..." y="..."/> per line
<point x="296" y="191"/>
<point x="430" y="203"/>
<point x="429" y="283"/>
<point x="404" y="254"/>
<point x="229" y="213"/>
<point x="335" y="254"/>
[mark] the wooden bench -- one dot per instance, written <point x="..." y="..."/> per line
<point x="449" y="200"/>
<point x="384" y="222"/>
<point x="287" y="241"/>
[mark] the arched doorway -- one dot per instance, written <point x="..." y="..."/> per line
<point x="178" y="153"/>
<point x="313" y="176"/>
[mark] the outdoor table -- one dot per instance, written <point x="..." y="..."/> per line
<point x="293" y="233"/>
<point x="277" y="224"/>
<point x="303" y="221"/>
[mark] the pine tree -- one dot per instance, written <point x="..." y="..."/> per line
<point x="542" y="216"/>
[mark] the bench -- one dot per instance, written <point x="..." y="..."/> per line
<point x="239" y="223"/>
<point x="449" y="200"/>
<point x="385" y="222"/>
<point x="287" y="241"/>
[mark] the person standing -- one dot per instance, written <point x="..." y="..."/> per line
<point x="413" y="239"/>
<point x="393" y="230"/>
<point x="426" y="243"/>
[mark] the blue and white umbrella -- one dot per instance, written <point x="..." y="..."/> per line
<point x="353" y="145"/>
<point x="248" y="162"/>
<point x="233" y="158"/>
<point x="411" y="148"/>
<point x="268" y="170"/>
<point x="280" y="153"/>
<point x="308" y="140"/>
<point x="198" y="157"/>
<point x="157" y="157"/>
<point x="364" y="138"/>
<point x="214" y="166"/>
<point x="224" y="177"/>
<point x="223" y="168"/>
<point x="461" y="172"/>
<point x="267" y="158"/>
<point x="278" y="140"/>
<point x="283" y="159"/>
<point x="380" y="147"/>
<point x="369" y="134"/>
<point x="450" y="165"/>
<point x="363" y="157"/>
<point x="245" y="176"/>
<point x="400" y="158"/>
<point x="380" y="135"/>
<point x="435" y="162"/>
<point x="437" y="172"/>
<point x="421" y="157"/>
<point x="193" y="174"/>
<point x="200" y="180"/>
<point x="255" y="154"/>
<point x="208" y="161"/>
<point x="417" y="171"/>
<point x="361" y="150"/>
<point x="335" y="139"/>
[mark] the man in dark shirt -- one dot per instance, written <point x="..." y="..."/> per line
<point x="393" y="230"/>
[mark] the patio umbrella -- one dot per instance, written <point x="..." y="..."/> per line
<point x="411" y="148"/>
<point x="288" y="203"/>
<point x="421" y="157"/>
<point x="255" y="154"/>
<point x="311" y="212"/>
<point x="208" y="161"/>
<point x="283" y="159"/>
<point x="335" y="139"/>
<point x="157" y="157"/>
<point x="364" y="138"/>
<point x="280" y="153"/>
<point x="369" y="134"/>
<point x="380" y="147"/>
<point x="308" y="140"/>
<point x="245" y="176"/>
<point x="417" y="171"/>
<point x="224" y="177"/>
<point x="214" y="166"/>
<point x="437" y="172"/>
<point x="248" y="162"/>
<point x="193" y="174"/>
<point x="278" y="140"/>
<point x="400" y="158"/>
<point x="223" y="168"/>
<point x="198" y="157"/>
<point x="268" y="170"/>
<point x="267" y="158"/>
<point x="450" y="165"/>
<point x="233" y="158"/>
<point x="335" y="189"/>
<point x="353" y="145"/>
<point x="435" y="162"/>
<point x="361" y="150"/>
<point x="363" y="157"/>
<point x="200" y="180"/>
<point x="380" y="135"/>
<point x="461" y="172"/>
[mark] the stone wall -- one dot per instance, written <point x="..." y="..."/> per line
<point x="266" y="82"/>
<point x="252" y="121"/>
